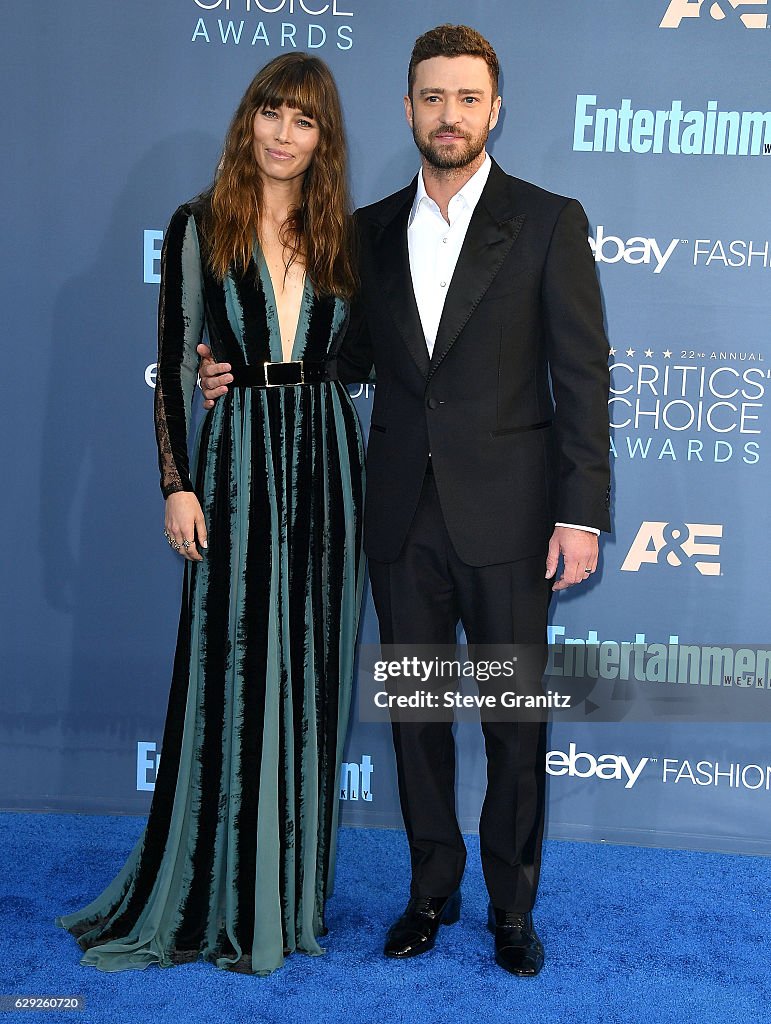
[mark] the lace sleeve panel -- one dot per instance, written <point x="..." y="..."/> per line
<point x="180" y="329"/>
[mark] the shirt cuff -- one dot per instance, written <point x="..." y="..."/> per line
<point x="586" y="529"/>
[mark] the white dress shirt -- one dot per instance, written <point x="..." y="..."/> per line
<point x="434" y="247"/>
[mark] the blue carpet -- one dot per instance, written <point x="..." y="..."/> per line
<point x="630" y="935"/>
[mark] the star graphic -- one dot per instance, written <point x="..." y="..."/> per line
<point x="648" y="353"/>
<point x="612" y="352"/>
<point x="630" y="351"/>
<point x="666" y="353"/>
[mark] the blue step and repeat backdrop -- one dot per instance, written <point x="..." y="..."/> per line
<point x="655" y="114"/>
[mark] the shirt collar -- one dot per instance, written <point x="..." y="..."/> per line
<point x="469" y="194"/>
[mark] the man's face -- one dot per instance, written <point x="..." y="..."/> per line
<point x="451" y="110"/>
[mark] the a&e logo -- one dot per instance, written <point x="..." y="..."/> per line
<point x="680" y="9"/>
<point x="677" y="545"/>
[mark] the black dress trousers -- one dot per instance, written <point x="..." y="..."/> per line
<point x="420" y="598"/>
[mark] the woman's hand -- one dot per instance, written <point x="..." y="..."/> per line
<point x="184" y="522"/>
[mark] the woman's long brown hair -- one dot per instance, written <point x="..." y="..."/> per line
<point x="318" y="231"/>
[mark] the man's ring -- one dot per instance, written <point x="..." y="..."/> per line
<point x="588" y="570"/>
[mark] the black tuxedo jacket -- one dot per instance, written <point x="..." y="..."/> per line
<point x="512" y="406"/>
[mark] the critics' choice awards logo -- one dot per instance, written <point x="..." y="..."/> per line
<point x="686" y="405"/>
<point x="674" y="129"/>
<point x="281" y="24"/>
<point x="751" y="13"/>
<point x="355" y="780"/>
<point x="690" y="545"/>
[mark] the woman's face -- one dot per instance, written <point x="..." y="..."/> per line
<point x="285" y="140"/>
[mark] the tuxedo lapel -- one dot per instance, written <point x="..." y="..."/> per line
<point x="492" y="231"/>
<point x="393" y="267"/>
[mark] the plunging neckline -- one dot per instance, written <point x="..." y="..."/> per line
<point x="274" y="322"/>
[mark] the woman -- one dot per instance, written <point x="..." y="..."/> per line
<point x="238" y="854"/>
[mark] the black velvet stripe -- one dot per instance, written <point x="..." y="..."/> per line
<point x="319" y="328"/>
<point x="215" y="648"/>
<point x="288" y="397"/>
<point x="301" y="551"/>
<point x="333" y="582"/>
<point x="281" y="440"/>
<point x="253" y="637"/>
<point x="203" y="446"/>
<point x="228" y="347"/>
<point x="320" y="568"/>
<point x="256" y="333"/>
<point x="301" y="441"/>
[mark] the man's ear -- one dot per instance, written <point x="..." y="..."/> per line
<point x="408" y="110"/>
<point x="495" y="111"/>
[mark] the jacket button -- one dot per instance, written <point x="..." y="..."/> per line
<point x="433" y="403"/>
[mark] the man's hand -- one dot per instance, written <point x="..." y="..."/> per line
<point x="215" y="377"/>
<point x="183" y="523"/>
<point x="580" y="552"/>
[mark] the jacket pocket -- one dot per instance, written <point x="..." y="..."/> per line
<point x="521" y="430"/>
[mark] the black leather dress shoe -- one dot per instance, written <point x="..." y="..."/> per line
<point x="415" y="931"/>
<point x="518" y="949"/>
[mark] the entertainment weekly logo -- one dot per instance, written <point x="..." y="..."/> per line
<point x="355" y="779"/>
<point x="679" y="11"/>
<point x="673" y="130"/>
<point x="687" y="405"/>
<point x="274" y="24"/>
<point x="738" y="671"/>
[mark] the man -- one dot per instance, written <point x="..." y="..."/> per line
<point x="487" y="459"/>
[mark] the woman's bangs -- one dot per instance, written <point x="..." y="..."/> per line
<point x="294" y="88"/>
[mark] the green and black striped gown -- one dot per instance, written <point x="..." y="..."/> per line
<point x="237" y="857"/>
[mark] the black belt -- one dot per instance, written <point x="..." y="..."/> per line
<point x="276" y="375"/>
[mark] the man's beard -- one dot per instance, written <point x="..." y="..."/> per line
<point x="450" y="158"/>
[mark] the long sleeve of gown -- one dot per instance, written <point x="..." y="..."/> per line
<point x="180" y="329"/>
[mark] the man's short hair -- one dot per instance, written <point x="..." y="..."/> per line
<point x="453" y="41"/>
